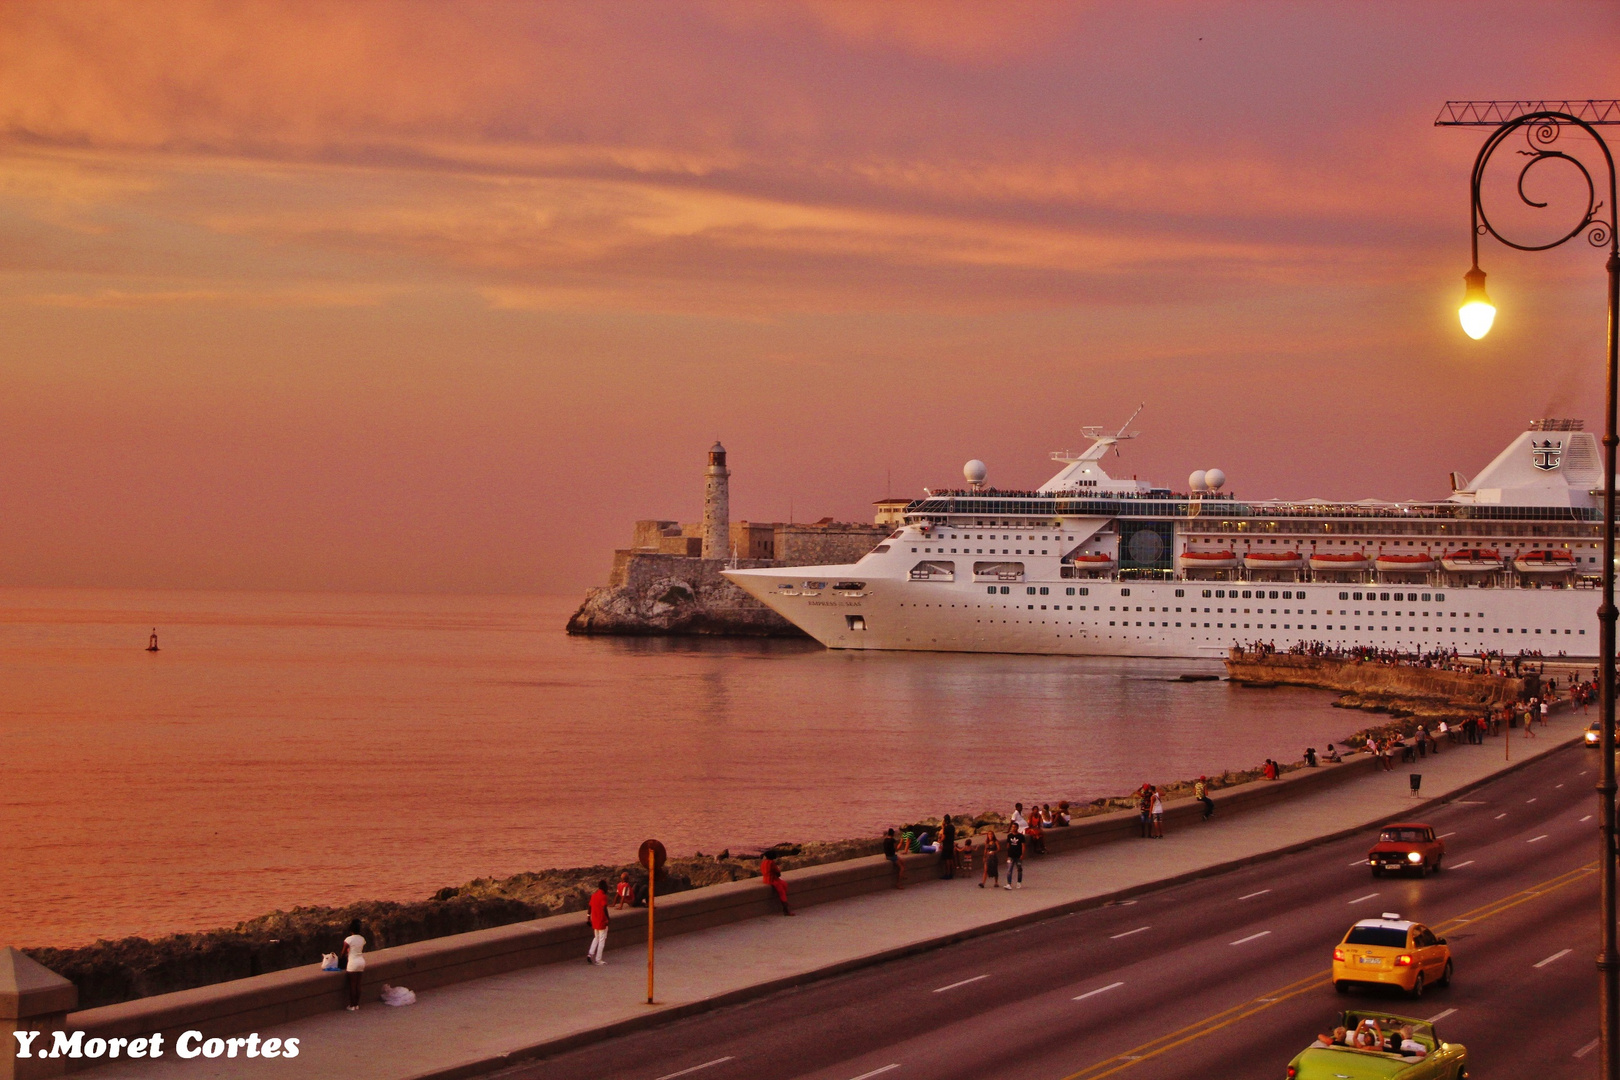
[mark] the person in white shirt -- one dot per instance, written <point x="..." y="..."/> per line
<point x="1018" y="818"/>
<point x="354" y="949"/>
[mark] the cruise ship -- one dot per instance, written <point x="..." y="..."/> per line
<point x="1092" y="565"/>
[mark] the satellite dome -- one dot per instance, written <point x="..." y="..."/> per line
<point x="1195" y="482"/>
<point x="975" y="471"/>
<point x="1215" y="478"/>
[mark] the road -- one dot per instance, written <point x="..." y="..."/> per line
<point x="1223" y="977"/>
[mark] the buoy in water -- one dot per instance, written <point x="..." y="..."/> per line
<point x="151" y="642"/>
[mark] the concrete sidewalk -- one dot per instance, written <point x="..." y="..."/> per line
<point x="478" y="1026"/>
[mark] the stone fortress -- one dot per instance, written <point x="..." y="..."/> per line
<point x="668" y="581"/>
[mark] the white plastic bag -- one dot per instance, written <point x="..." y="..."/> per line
<point x="329" y="961"/>
<point x="397" y="995"/>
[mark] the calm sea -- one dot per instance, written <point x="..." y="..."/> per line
<point x="286" y="749"/>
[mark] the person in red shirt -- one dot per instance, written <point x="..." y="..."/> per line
<point x="773" y="878"/>
<point x="624" y="895"/>
<point x="599" y="924"/>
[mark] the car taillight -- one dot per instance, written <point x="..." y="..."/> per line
<point x="1403" y="960"/>
<point x="1338" y="954"/>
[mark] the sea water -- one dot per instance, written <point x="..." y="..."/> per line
<point x="290" y="749"/>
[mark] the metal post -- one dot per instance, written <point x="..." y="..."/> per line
<point x="1608" y="960"/>
<point x="1542" y="128"/>
<point x="652" y="888"/>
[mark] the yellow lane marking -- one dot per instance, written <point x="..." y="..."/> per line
<point x="1210" y="1024"/>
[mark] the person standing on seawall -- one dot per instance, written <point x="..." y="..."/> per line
<point x="354" y="948"/>
<point x="947" y="846"/>
<point x="992" y="869"/>
<point x="599" y="925"/>
<point x="1158" y="815"/>
<point x="1201" y="793"/>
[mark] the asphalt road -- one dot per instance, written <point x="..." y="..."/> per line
<point x="1225" y="977"/>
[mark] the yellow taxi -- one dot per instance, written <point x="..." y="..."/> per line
<point x="1391" y="951"/>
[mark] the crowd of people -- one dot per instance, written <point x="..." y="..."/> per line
<point x="1369" y="1035"/>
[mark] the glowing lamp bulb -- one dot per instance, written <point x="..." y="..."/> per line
<point x="1477" y="312"/>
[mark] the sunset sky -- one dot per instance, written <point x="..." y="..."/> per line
<point x="442" y="297"/>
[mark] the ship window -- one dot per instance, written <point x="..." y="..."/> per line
<point x="1220" y="592"/>
<point x="1044" y="590"/>
<point x="1440" y="597"/>
<point x="1085" y="592"/>
<point x="1358" y="596"/>
<point x="1005" y="590"/>
<point x="991" y="590"/>
<point x="1344" y="596"/>
<point x="1181" y="592"/>
<point x="881" y="548"/>
<point x="1124" y="592"/>
<point x="1207" y="593"/>
<point x="1383" y="596"/>
<point x="1274" y="594"/>
<point x="1247" y="594"/>
<point x="1068" y="592"/>
<point x="1030" y="590"/>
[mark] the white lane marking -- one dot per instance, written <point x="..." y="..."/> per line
<point x="1439" y="1016"/>
<point x="1582" y="773"/>
<point x="964" y="982"/>
<point x="1558" y="785"/>
<point x="695" y="1068"/>
<point x="1252" y="937"/>
<point x="1533" y="839"/>
<point x="1589" y="1047"/>
<point x="1460" y="865"/>
<point x="876" y="1072"/>
<point x="1359" y="899"/>
<point x="1262" y="892"/>
<point x="1499" y="817"/>
<point x="1128" y="933"/>
<point x="1527" y="802"/>
<point x="1359" y="862"/>
<point x="1092" y="993"/>
<point x="1585" y="819"/>
<point x="1446" y="834"/>
<point x="1465" y="802"/>
<point x="1559" y="955"/>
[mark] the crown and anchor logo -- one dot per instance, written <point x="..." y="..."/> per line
<point x="1546" y="454"/>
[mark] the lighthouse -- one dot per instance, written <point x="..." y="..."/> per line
<point x="716" y="505"/>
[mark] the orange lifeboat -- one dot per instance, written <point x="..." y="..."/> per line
<point x="1094" y="561"/>
<point x="1405" y="564"/>
<point x="1472" y="561"/>
<point x="1273" y="560"/>
<point x="1549" y="561"/>
<point x="1340" y="560"/>
<point x="1208" y="560"/>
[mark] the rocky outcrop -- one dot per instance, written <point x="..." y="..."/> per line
<point x="671" y="594"/>
<point x="1398" y="689"/>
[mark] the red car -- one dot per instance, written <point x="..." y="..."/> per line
<point x="1404" y="846"/>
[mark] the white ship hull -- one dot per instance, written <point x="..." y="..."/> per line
<point x="1151" y="620"/>
<point x="1089" y="565"/>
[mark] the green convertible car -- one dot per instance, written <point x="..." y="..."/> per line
<point x="1439" y="1061"/>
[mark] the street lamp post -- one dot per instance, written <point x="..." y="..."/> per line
<point x="1541" y="130"/>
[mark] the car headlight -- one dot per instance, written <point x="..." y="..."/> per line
<point x="1414" y="856"/>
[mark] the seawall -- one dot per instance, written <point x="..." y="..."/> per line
<point x="275" y="998"/>
<point x="1371" y="679"/>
